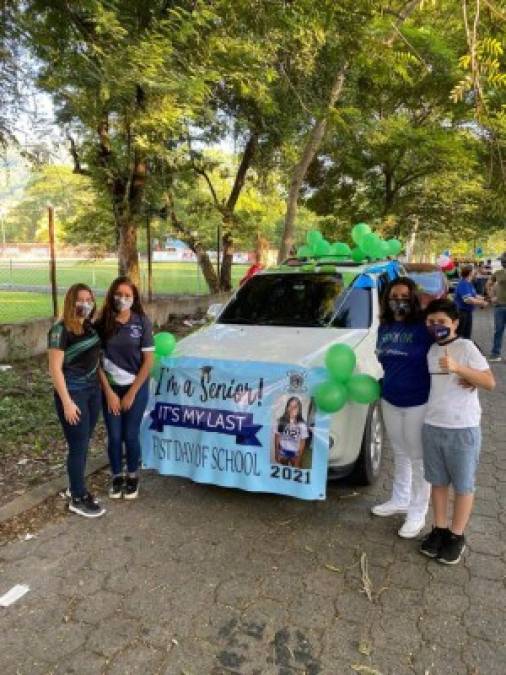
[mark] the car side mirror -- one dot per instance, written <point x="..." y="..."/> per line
<point x="214" y="311"/>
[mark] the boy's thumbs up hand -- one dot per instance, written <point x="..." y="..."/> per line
<point x="447" y="363"/>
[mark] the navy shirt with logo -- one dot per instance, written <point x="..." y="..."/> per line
<point x="122" y="351"/>
<point x="402" y="351"/>
<point x="81" y="353"/>
<point x="464" y="289"/>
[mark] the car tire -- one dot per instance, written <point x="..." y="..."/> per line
<point x="368" y="465"/>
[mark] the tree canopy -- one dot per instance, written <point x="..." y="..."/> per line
<point x="245" y="119"/>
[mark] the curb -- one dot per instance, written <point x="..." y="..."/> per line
<point x="41" y="492"/>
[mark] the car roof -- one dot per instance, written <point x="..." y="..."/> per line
<point x="331" y="264"/>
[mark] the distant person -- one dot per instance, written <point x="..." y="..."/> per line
<point x="451" y="433"/>
<point x="497" y="291"/>
<point x="466" y="300"/>
<point x="402" y="346"/>
<point x="127" y="343"/>
<point x="74" y="352"/>
<point x="480" y="279"/>
<point x="255" y="267"/>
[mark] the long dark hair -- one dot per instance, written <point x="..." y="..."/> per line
<point x="106" y="323"/>
<point x="415" y="315"/>
<point x="285" y="417"/>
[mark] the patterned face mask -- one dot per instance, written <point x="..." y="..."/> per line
<point x="439" y="332"/>
<point x="401" y="307"/>
<point x="84" y="309"/>
<point x="121" y="303"/>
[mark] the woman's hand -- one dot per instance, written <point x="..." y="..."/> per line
<point x="128" y="400"/>
<point x="72" y="413"/>
<point x="113" y="403"/>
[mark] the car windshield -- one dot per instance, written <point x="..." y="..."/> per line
<point x="430" y="282"/>
<point x="311" y="300"/>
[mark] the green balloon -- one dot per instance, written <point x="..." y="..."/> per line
<point x="394" y="246"/>
<point x="330" y="396"/>
<point x="363" y="389"/>
<point x="383" y="249"/>
<point x="370" y="244"/>
<point x="359" y="231"/>
<point x="340" y="361"/>
<point x="321" y="248"/>
<point x="304" y="252"/>
<point x="357" y="254"/>
<point x="164" y="344"/>
<point x="313" y="237"/>
<point x="340" y="249"/>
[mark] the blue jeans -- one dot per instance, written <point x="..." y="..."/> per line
<point x="465" y="327"/>
<point x="87" y="399"/>
<point x="499" y="325"/>
<point x="124" y="429"/>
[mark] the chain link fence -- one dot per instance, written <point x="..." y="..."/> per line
<point x="26" y="292"/>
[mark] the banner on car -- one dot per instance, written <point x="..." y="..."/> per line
<point x="247" y="425"/>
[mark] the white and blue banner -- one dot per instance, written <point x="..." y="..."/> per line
<point x="247" y="425"/>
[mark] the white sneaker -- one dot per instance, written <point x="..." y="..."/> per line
<point x="389" y="508"/>
<point x="494" y="359"/>
<point x="411" y="528"/>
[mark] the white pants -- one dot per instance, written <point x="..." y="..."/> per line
<point x="404" y="429"/>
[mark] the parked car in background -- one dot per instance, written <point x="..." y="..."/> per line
<point x="430" y="279"/>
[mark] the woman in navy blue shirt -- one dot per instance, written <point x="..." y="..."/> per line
<point x="402" y="346"/>
<point x="127" y="357"/>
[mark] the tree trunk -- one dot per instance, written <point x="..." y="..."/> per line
<point x="312" y="144"/>
<point x="126" y="194"/>
<point x="128" y="257"/>
<point x="226" y="262"/>
<point x="203" y="260"/>
<point x="227" y="241"/>
<point x="410" y="244"/>
<point x="389" y="191"/>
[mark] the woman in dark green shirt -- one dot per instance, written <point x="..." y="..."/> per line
<point x="74" y="351"/>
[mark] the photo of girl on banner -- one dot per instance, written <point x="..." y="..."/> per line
<point x="292" y="437"/>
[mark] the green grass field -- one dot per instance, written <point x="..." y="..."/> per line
<point x="17" y="306"/>
<point x="177" y="278"/>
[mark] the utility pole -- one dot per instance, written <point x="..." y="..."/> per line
<point x="149" y="252"/>
<point x="52" y="261"/>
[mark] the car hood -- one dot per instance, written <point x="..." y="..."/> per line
<point x="277" y="344"/>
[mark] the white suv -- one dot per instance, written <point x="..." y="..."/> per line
<point x="293" y="314"/>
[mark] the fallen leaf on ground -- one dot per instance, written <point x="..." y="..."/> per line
<point x="359" y="668"/>
<point x="332" y="568"/>
<point x="364" y="647"/>
<point x="366" y="582"/>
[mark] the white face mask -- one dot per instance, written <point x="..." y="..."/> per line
<point x="122" y="303"/>
<point x="84" y="309"/>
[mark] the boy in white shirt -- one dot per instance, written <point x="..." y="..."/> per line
<point x="451" y="434"/>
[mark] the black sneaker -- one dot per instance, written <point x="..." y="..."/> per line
<point x="452" y="550"/>
<point x="131" y="487"/>
<point x="434" y="541"/>
<point x="86" y="506"/>
<point x="116" y="488"/>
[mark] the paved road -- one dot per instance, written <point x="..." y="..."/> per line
<point x="199" y="580"/>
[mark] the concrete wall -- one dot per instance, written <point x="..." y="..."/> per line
<point x="22" y="340"/>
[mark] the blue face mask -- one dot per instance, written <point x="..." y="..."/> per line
<point x="439" y="332"/>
